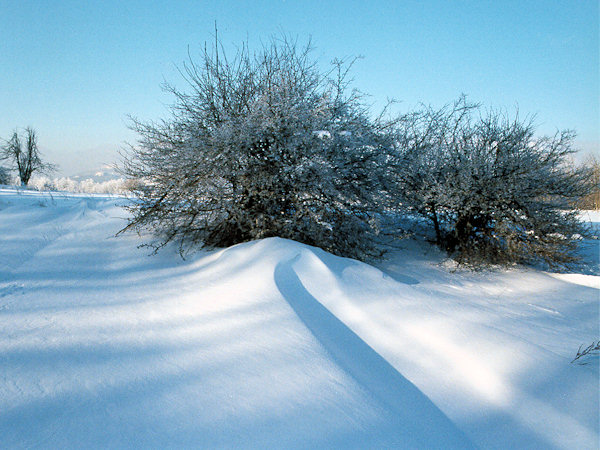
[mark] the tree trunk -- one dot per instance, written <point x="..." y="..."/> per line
<point x="436" y="225"/>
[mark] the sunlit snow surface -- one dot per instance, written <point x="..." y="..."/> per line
<point x="277" y="344"/>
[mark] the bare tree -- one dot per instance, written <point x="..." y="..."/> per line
<point x="25" y="155"/>
<point x="493" y="191"/>
<point x="261" y="145"/>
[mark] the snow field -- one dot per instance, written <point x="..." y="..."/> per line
<point x="277" y="344"/>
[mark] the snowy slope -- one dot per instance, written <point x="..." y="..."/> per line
<point x="277" y="344"/>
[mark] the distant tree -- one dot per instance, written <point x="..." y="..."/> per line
<point x="23" y="152"/>
<point x="592" y="200"/>
<point x="4" y="175"/>
<point x="262" y="145"/>
<point x="493" y="191"/>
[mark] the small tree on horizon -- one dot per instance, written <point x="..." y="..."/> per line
<point x="24" y="154"/>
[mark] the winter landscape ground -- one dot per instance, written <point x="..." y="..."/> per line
<point x="276" y="344"/>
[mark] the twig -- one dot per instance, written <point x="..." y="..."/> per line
<point x="593" y="347"/>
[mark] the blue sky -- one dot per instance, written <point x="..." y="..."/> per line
<point x="74" y="70"/>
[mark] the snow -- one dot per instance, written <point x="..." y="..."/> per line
<point x="277" y="344"/>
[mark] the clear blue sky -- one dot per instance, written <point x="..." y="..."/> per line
<point x="74" y="70"/>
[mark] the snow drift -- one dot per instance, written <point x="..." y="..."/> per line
<point x="276" y="344"/>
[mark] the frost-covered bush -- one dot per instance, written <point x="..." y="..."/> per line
<point x="116" y="186"/>
<point x="493" y="191"/>
<point x="261" y="145"/>
<point x="89" y="186"/>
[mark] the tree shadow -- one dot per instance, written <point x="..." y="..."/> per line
<point x="420" y="423"/>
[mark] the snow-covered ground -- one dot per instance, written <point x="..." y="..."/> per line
<point x="277" y="344"/>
